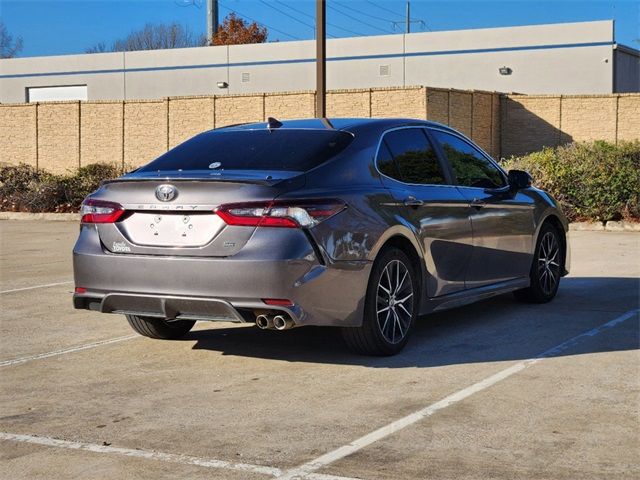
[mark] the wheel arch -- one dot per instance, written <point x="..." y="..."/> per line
<point x="402" y="241"/>
<point x="554" y="220"/>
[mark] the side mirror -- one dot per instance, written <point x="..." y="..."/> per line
<point x="519" y="179"/>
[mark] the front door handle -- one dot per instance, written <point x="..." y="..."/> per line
<point x="476" y="203"/>
<point x="412" y="202"/>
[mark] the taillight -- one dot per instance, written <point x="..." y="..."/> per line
<point x="288" y="214"/>
<point x="100" y="211"/>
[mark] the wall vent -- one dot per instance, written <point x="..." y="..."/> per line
<point x="246" y="77"/>
<point x="384" y="71"/>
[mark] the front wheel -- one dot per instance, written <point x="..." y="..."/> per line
<point x="158" y="328"/>
<point x="546" y="269"/>
<point x="391" y="307"/>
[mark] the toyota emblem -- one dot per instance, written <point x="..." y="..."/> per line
<point x="166" y="193"/>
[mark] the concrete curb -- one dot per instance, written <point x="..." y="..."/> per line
<point x="609" y="226"/>
<point x="55" y="217"/>
<point x="574" y="227"/>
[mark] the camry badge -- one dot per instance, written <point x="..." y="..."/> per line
<point x="166" y="193"/>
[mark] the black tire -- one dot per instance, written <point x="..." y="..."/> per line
<point x="546" y="268"/>
<point x="158" y="328"/>
<point x="374" y="337"/>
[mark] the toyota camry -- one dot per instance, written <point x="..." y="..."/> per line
<point x="362" y="224"/>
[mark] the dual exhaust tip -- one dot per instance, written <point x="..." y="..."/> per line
<point x="277" y="322"/>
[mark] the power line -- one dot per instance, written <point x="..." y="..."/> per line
<point x="287" y="15"/>
<point x="381" y="8"/>
<point x="297" y="11"/>
<point x="330" y="24"/>
<point x="358" y="20"/>
<point x="259" y="23"/>
<point x="386" y="20"/>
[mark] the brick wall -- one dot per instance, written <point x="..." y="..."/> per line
<point x="145" y="131"/>
<point x="290" y="105"/>
<point x="474" y="113"/>
<point x="60" y="136"/>
<point x="628" y="117"/>
<point x="18" y="133"/>
<point x="530" y="122"/>
<point x="189" y="116"/>
<point x="101" y="139"/>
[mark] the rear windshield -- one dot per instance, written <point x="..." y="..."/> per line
<point x="291" y="150"/>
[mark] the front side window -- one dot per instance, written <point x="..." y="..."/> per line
<point x="407" y="155"/>
<point x="470" y="166"/>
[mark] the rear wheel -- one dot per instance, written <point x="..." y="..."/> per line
<point x="158" y="328"/>
<point x="546" y="269"/>
<point x="390" y="307"/>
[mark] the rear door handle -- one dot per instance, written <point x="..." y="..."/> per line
<point x="476" y="203"/>
<point x="412" y="202"/>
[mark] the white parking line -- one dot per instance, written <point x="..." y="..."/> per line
<point x="152" y="455"/>
<point x="46" y="285"/>
<point x="304" y="470"/>
<point x="86" y="346"/>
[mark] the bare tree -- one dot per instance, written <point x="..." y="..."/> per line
<point x="100" y="47"/>
<point x="9" y="47"/>
<point x="153" y="37"/>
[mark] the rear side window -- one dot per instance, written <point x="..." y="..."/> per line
<point x="284" y="149"/>
<point x="408" y="156"/>
<point x="386" y="164"/>
<point x="471" y="167"/>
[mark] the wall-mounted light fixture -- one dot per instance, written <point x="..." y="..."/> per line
<point x="505" y="71"/>
<point x="223" y="84"/>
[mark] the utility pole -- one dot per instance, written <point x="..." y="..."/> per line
<point x="212" y="20"/>
<point x="321" y="58"/>
<point x="408" y="21"/>
<point x="408" y="16"/>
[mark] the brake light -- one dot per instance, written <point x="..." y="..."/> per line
<point x="100" y="211"/>
<point x="288" y="214"/>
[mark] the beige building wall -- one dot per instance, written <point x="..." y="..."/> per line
<point x="61" y="136"/>
<point x="567" y="58"/>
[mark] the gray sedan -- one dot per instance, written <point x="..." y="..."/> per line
<point x="362" y="224"/>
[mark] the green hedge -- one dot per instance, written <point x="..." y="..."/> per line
<point x="595" y="181"/>
<point x="25" y="189"/>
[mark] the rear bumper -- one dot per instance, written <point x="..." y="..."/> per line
<point x="223" y="288"/>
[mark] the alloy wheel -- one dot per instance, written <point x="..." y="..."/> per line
<point x="394" y="301"/>
<point x="548" y="263"/>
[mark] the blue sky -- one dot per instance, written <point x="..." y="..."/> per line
<point x="50" y="27"/>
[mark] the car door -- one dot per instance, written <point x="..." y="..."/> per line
<point x="502" y="220"/>
<point x="425" y="197"/>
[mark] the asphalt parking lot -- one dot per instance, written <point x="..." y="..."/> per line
<point x="493" y="390"/>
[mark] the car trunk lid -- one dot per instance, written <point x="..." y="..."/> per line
<point x="186" y="223"/>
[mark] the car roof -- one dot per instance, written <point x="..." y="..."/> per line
<point x="346" y="124"/>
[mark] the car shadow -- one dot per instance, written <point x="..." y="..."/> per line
<point x="495" y="330"/>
